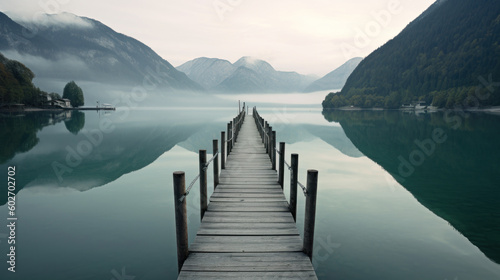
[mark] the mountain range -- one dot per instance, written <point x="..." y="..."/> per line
<point x="448" y="56"/>
<point x="248" y="74"/>
<point x="335" y="79"/>
<point x="65" y="46"/>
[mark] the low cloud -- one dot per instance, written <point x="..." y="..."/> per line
<point x="56" y="20"/>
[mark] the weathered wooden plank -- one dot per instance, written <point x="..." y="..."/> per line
<point x="238" y="151"/>
<point x="252" y="244"/>
<point x="217" y="194"/>
<point x="269" y="177"/>
<point x="212" y="228"/>
<point x="244" y="208"/>
<point x="252" y="204"/>
<point x="247" y="231"/>
<point x="211" y="225"/>
<point x="305" y="275"/>
<point x="242" y="181"/>
<point x="247" y="199"/>
<point x="253" y="156"/>
<point x="241" y="166"/>
<point x="248" y="217"/>
<point x="248" y="161"/>
<point x="249" y="175"/>
<point x="248" y="168"/>
<point x="235" y="190"/>
<point x="263" y="166"/>
<point x="251" y="262"/>
<point x="250" y="186"/>
<point x="248" y="172"/>
<point x="254" y="177"/>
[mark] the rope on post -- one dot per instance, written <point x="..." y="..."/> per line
<point x="210" y="161"/>
<point x="196" y="178"/>
<point x="304" y="189"/>
<point x="189" y="188"/>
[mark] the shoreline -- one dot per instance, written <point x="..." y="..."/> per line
<point x="492" y="109"/>
<point x="34" y="109"/>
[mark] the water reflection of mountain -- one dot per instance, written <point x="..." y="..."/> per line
<point x="131" y="146"/>
<point x="458" y="181"/>
<point x="335" y="137"/>
<point x="289" y="133"/>
<point x="18" y="131"/>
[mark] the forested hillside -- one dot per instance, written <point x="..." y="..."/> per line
<point x="16" y="84"/>
<point x="449" y="56"/>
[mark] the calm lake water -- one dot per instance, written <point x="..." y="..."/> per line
<point x="401" y="196"/>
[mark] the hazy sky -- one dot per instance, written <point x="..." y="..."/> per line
<point x="310" y="37"/>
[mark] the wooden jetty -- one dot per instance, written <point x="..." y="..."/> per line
<point x="248" y="228"/>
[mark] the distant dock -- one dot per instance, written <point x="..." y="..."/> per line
<point x="93" y="109"/>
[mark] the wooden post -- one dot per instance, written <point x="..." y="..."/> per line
<point x="203" y="183"/>
<point x="264" y="125"/>
<point x="310" y="213"/>
<point x="233" y="129"/>
<point x="228" y="136"/>
<point x="266" y="133"/>
<point x="237" y="127"/>
<point x="281" y="178"/>
<point x="273" y="150"/>
<point x="223" y="150"/>
<point x="216" y="163"/>
<point x="269" y="140"/>
<point x="294" y="177"/>
<point x="181" y="231"/>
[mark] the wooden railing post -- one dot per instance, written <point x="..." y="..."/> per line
<point x="269" y="141"/>
<point x="238" y="118"/>
<point x="203" y="183"/>
<point x="233" y="129"/>
<point x="310" y="213"/>
<point x="223" y="150"/>
<point x="294" y="178"/>
<point x="273" y="150"/>
<point x="264" y="125"/>
<point x="266" y="133"/>
<point x="235" y="125"/>
<point x="216" y="163"/>
<point x="281" y="178"/>
<point x="181" y="231"/>
<point x="228" y="136"/>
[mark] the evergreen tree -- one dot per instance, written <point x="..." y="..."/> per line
<point x="74" y="93"/>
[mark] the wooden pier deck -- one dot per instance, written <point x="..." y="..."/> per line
<point x="247" y="231"/>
